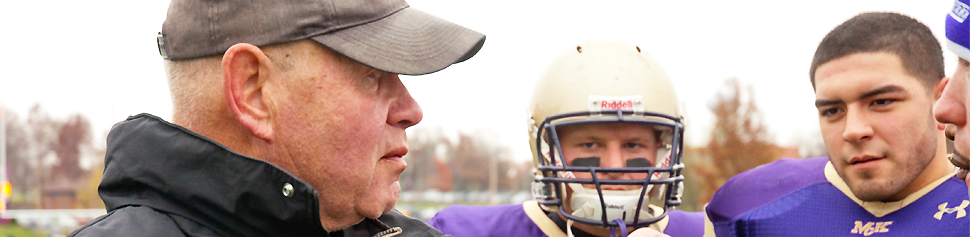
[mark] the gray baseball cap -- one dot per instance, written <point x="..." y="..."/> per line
<point x="384" y="34"/>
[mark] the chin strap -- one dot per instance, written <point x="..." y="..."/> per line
<point x="569" y="225"/>
<point x="587" y="204"/>
<point x="622" y="225"/>
<point x="612" y="230"/>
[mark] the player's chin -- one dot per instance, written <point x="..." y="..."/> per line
<point x="874" y="195"/>
<point x="881" y="190"/>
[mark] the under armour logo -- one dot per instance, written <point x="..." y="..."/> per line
<point x="959" y="210"/>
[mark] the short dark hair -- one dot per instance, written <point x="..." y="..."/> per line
<point x="888" y="32"/>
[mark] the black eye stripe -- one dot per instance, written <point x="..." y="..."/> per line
<point x="595" y="162"/>
<point x="638" y="162"/>
<point x="588" y="162"/>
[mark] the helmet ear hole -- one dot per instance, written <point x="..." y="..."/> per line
<point x="579" y="49"/>
<point x="638" y="49"/>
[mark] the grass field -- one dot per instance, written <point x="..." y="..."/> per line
<point x="17" y="231"/>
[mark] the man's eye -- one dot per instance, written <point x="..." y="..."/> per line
<point x="376" y="74"/>
<point x="632" y="145"/>
<point x="830" y="112"/>
<point x="371" y="81"/>
<point x="587" y="162"/>
<point x="589" y="145"/>
<point x="882" y="102"/>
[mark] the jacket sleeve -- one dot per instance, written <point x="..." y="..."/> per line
<point x="130" y="221"/>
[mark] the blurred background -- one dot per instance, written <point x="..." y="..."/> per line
<point x="71" y="69"/>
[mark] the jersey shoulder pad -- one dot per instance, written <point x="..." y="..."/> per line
<point x="760" y="185"/>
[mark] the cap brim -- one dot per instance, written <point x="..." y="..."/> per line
<point x="408" y="42"/>
<point x="958" y="49"/>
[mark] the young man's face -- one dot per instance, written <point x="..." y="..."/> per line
<point x="613" y="145"/>
<point x="952" y="108"/>
<point x="877" y="124"/>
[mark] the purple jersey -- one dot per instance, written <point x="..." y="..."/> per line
<point x="806" y="197"/>
<point x="528" y="220"/>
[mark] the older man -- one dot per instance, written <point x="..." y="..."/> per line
<point x="952" y="105"/>
<point x="289" y="120"/>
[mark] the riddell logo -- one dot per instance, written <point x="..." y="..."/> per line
<point x="616" y="105"/>
<point x="611" y="206"/>
<point x="605" y="103"/>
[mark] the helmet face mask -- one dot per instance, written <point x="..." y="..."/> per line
<point x="606" y="135"/>
<point x="596" y="190"/>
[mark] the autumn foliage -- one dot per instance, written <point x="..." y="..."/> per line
<point x="739" y="141"/>
<point x="44" y="161"/>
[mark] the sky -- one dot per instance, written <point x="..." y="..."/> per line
<point x="100" y="59"/>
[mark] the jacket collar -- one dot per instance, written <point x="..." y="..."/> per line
<point x="154" y="163"/>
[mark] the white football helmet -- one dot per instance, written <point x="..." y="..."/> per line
<point x="606" y="82"/>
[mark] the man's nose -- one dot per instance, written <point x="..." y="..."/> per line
<point x="613" y="158"/>
<point x="404" y="111"/>
<point x="857" y="128"/>
<point x="950" y="108"/>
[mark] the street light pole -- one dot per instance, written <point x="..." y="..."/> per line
<point x="4" y="182"/>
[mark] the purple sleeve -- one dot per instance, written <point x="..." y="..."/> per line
<point x="685" y="224"/>
<point x="753" y="188"/>
<point x="471" y="221"/>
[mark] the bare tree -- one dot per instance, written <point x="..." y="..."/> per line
<point x="43" y="159"/>
<point x="21" y="163"/>
<point x="469" y="159"/>
<point x="425" y="160"/>
<point x="72" y="136"/>
<point x="471" y="163"/>
<point x="739" y="140"/>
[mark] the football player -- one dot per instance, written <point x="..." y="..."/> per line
<point x="876" y="77"/>
<point x="952" y="106"/>
<point x="606" y="137"/>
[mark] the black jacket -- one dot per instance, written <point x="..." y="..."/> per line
<point x="161" y="179"/>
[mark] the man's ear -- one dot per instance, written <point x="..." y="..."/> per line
<point x="938" y="89"/>
<point x="246" y="70"/>
<point x="937" y="93"/>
